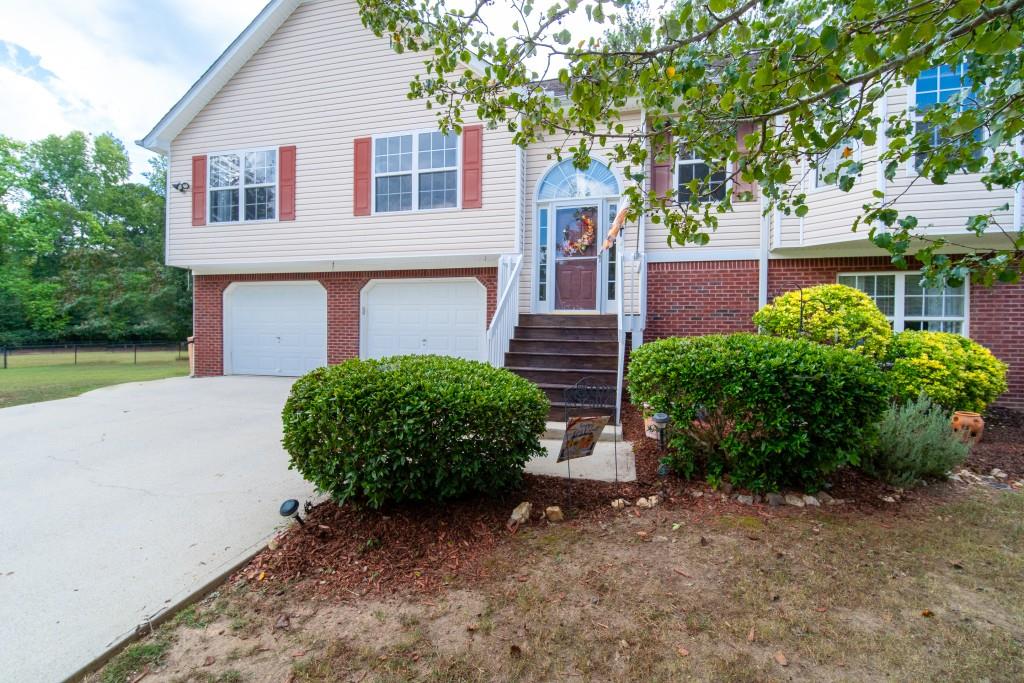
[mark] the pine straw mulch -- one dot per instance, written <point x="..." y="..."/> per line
<point x="344" y="552"/>
<point x="1001" y="445"/>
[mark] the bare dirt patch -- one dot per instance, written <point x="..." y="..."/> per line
<point x="690" y="590"/>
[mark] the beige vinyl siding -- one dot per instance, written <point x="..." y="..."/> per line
<point x="942" y="208"/>
<point x="319" y="82"/>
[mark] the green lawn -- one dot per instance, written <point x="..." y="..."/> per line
<point x="47" y="376"/>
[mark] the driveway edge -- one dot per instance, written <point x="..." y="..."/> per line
<point x="163" y="615"/>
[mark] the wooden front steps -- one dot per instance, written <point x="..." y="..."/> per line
<point x="556" y="351"/>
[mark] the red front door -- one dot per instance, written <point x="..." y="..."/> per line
<point x="576" y="261"/>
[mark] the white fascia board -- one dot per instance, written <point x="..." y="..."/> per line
<point x="343" y="264"/>
<point x="220" y="72"/>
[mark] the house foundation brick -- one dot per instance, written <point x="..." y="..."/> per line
<point x="709" y="297"/>
<point x="343" y="291"/>
<point x="701" y="297"/>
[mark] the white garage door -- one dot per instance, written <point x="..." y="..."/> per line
<point x="275" y="329"/>
<point x="444" y="317"/>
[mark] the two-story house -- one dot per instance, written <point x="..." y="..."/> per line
<point x="324" y="217"/>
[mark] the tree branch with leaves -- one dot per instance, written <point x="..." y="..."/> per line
<point x="797" y="78"/>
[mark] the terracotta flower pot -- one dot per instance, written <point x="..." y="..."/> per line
<point x="969" y="426"/>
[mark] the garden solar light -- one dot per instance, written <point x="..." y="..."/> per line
<point x="660" y="421"/>
<point x="290" y="508"/>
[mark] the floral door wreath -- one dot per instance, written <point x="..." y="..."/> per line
<point x="587" y="230"/>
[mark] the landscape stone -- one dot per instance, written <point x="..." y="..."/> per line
<point x="521" y="514"/>
<point x="794" y="500"/>
<point x="775" y="499"/>
<point x="554" y="514"/>
<point x="745" y="500"/>
<point x="811" y="500"/>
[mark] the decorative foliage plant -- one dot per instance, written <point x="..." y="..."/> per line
<point x="769" y="412"/>
<point x="412" y="428"/>
<point x="829" y="314"/>
<point x="914" y="441"/>
<point x="953" y="371"/>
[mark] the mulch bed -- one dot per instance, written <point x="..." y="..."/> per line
<point x="344" y="552"/>
<point x="1001" y="446"/>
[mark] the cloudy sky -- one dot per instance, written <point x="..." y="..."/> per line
<point x="107" y="65"/>
<point x="114" y="65"/>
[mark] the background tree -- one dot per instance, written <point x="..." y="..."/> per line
<point x="81" y="247"/>
<point x="794" y="78"/>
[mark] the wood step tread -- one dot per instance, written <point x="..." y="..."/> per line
<point x="586" y="371"/>
<point x="589" y="354"/>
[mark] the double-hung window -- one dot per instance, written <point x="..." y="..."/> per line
<point x="935" y="86"/>
<point x="827" y="164"/>
<point x="710" y="180"/>
<point x="415" y="171"/>
<point x="911" y="306"/>
<point x="243" y="186"/>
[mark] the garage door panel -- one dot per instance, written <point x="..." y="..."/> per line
<point x="278" y="329"/>
<point x="417" y="317"/>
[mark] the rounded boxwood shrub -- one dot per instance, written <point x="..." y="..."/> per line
<point x="767" y="411"/>
<point x="412" y="428"/>
<point x="952" y="370"/>
<point x="832" y="314"/>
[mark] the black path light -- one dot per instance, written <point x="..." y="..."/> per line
<point x="660" y="421"/>
<point x="290" y="508"/>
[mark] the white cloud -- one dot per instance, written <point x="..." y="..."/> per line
<point x="117" y="65"/>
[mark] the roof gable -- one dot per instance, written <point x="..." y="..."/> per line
<point x="220" y="72"/>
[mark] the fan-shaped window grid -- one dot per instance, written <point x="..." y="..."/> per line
<point x="565" y="181"/>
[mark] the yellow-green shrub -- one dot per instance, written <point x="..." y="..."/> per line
<point x="953" y="371"/>
<point x="832" y="314"/>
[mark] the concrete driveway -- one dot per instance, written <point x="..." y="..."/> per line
<point x="121" y="501"/>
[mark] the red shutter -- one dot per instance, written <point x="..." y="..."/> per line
<point x="661" y="168"/>
<point x="473" y="167"/>
<point x="199" y="190"/>
<point x="739" y="185"/>
<point x="286" y="185"/>
<point x="362" y="176"/>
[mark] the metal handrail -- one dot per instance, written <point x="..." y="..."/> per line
<point x="506" y="317"/>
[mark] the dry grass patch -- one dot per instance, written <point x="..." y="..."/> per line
<point x="665" y="596"/>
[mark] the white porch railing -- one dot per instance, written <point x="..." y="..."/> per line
<point x="506" y="315"/>
<point x="630" y="300"/>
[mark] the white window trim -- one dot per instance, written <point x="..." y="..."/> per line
<point x="680" y="162"/>
<point x="415" y="171"/>
<point x="898" y="317"/>
<point x="915" y="117"/>
<point x="815" y="187"/>
<point x="241" y="185"/>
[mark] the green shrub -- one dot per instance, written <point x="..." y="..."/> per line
<point x="412" y="428"/>
<point x="832" y="314"/>
<point x="767" y="411"/>
<point x="952" y="370"/>
<point x="914" y="441"/>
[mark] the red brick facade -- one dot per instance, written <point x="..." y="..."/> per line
<point x="705" y="297"/>
<point x="690" y="298"/>
<point x="342" y="308"/>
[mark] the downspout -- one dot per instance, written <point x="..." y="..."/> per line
<point x="1018" y="195"/>
<point x="641" y="251"/>
<point x="762" y="265"/>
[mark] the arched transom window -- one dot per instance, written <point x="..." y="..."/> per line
<point x="565" y="181"/>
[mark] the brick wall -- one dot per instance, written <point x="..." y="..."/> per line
<point x="704" y="297"/>
<point x="709" y="297"/>
<point x="342" y="308"/>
